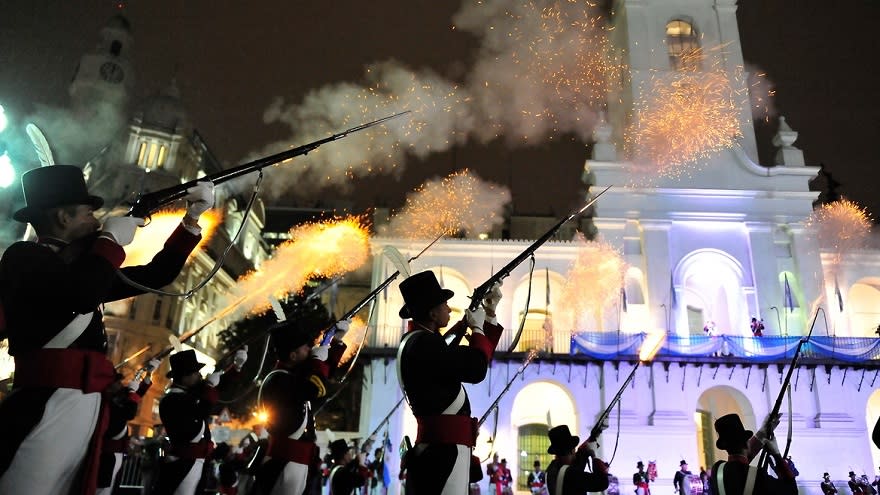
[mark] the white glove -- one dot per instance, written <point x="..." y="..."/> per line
<point x="240" y="358"/>
<point x="134" y="384"/>
<point x="490" y="302"/>
<point x="475" y="319"/>
<point x="342" y="327"/>
<point x="320" y="352"/>
<point x="214" y="378"/>
<point x="152" y="365"/>
<point x="121" y="229"/>
<point x="199" y="199"/>
<point x="771" y="447"/>
<point x="767" y="429"/>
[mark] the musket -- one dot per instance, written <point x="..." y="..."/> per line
<point x="531" y="356"/>
<point x="372" y="434"/>
<point x="598" y="427"/>
<point x="136" y="354"/>
<point x="483" y="289"/>
<point x="787" y="382"/>
<point x="150" y="202"/>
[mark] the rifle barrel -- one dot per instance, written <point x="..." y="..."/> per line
<point x="597" y="428"/>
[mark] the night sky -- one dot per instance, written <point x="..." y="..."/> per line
<point x="231" y="59"/>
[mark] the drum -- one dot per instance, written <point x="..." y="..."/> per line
<point x="613" y="487"/>
<point x="693" y="485"/>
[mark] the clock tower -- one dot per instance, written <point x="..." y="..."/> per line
<point x="105" y="73"/>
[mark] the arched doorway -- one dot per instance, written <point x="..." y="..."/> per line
<point x="712" y="404"/>
<point x="864" y="301"/>
<point x="538" y="407"/>
<point x="711" y="289"/>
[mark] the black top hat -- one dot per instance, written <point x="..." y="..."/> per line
<point x="536" y="463"/>
<point x="562" y="442"/>
<point x="422" y="292"/>
<point x="183" y="363"/>
<point x="683" y="463"/>
<point x="291" y="334"/>
<point x="851" y="474"/>
<point x="825" y="475"/>
<point x="338" y="448"/>
<point x="640" y="464"/>
<point x="731" y="432"/>
<point x="51" y="187"/>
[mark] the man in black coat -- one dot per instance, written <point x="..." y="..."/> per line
<point x="185" y="411"/>
<point x="679" y="481"/>
<point x="566" y="474"/>
<point x="348" y="472"/>
<point x="736" y="473"/>
<point x="51" y="291"/>
<point x="299" y="378"/>
<point x="431" y="373"/>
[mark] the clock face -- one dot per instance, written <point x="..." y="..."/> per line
<point x="112" y="73"/>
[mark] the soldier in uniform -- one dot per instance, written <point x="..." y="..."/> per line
<point x="736" y="474"/>
<point x="680" y="480"/>
<point x="566" y="473"/>
<point x="300" y="377"/>
<point x="123" y="408"/>
<point x="641" y="480"/>
<point x="349" y="471"/>
<point x="537" y="479"/>
<point x="827" y="485"/>
<point x="431" y="375"/>
<point x="51" y="292"/>
<point x="185" y="411"/>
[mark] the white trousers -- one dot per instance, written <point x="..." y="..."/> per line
<point x="47" y="461"/>
<point x="292" y="480"/>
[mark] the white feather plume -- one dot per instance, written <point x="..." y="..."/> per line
<point x="397" y="260"/>
<point x="44" y="152"/>
<point x="276" y="307"/>
<point x="175" y="343"/>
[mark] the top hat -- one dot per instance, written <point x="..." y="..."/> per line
<point x="291" y="334"/>
<point x="183" y="363"/>
<point x="536" y="463"/>
<point x="731" y="432"/>
<point x="640" y="464"/>
<point x="825" y="475"/>
<point x="338" y="448"/>
<point x="51" y="187"/>
<point x="422" y="292"/>
<point x="562" y="442"/>
<point x="851" y="474"/>
<point x="683" y="463"/>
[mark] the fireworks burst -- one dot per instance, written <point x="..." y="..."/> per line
<point x="460" y="202"/>
<point x="592" y="284"/>
<point x="323" y="249"/>
<point x="148" y="240"/>
<point x="840" y="227"/>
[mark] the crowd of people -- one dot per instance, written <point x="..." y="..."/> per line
<point x="64" y="425"/>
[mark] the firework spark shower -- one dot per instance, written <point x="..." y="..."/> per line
<point x="593" y="283"/>
<point x="459" y="202"/>
<point x="840" y="227"/>
<point x="542" y="70"/>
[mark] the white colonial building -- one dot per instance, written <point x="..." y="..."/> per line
<point x="726" y="244"/>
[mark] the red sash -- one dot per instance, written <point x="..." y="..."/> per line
<point x="447" y="428"/>
<point x="89" y="371"/>
<point x="298" y="451"/>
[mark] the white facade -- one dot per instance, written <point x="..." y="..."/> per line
<point x="719" y="245"/>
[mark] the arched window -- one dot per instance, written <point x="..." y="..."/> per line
<point x="683" y="45"/>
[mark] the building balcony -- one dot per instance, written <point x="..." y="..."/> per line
<point x="852" y="352"/>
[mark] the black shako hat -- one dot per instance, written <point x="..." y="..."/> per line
<point x="51" y="187"/>
<point x="291" y="334"/>
<point x="184" y="363"/>
<point x="338" y="448"/>
<point x="731" y="432"/>
<point x="421" y="292"/>
<point x="562" y="442"/>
